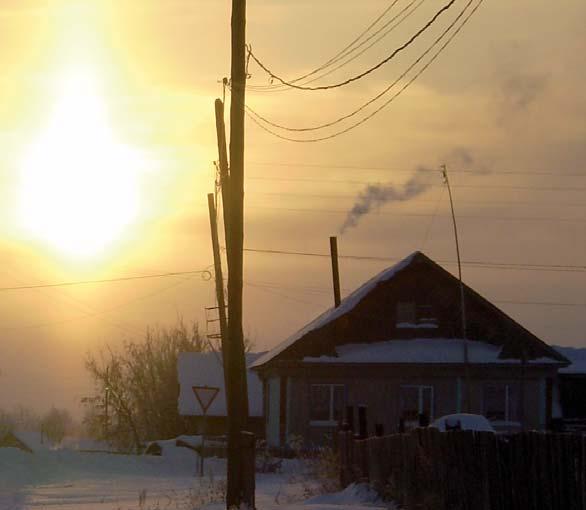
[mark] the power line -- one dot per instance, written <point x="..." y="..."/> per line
<point x="375" y="98"/>
<point x="205" y="274"/>
<point x="472" y="263"/>
<point x="364" y="73"/>
<point x="341" y="56"/>
<point x="382" y="106"/>
<point x="388" y="169"/>
<point x="427" y="215"/>
<point x="482" y="203"/>
<point x="280" y="294"/>
<point x="492" y="186"/>
<point x="387" y="32"/>
<point x="268" y="286"/>
<point x="96" y="313"/>
<point x="345" y="51"/>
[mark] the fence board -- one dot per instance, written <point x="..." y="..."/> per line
<point x="428" y="469"/>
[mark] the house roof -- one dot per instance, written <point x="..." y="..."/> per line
<point x="544" y="352"/>
<point x="577" y="356"/>
<point x="346" y="305"/>
<point x="205" y="369"/>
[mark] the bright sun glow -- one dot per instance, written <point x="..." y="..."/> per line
<point x="79" y="186"/>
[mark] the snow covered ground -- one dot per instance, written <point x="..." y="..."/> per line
<point x="72" y="480"/>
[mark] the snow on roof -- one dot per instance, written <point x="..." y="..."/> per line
<point x="205" y="369"/>
<point x="346" y="305"/>
<point x="577" y="355"/>
<point x="420" y="350"/>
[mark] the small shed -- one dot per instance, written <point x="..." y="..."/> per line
<point x="572" y="389"/>
<point x="201" y="369"/>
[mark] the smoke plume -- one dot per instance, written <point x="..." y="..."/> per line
<point x="376" y="195"/>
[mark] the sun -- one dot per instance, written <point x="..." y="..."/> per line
<point x="79" y="186"/>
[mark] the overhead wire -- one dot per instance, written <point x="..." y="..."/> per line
<point x="349" y="46"/>
<point x="383" y="105"/>
<point x="97" y="313"/>
<point x="325" y="292"/>
<point x="391" y="169"/>
<point x="280" y="294"/>
<point x="476" y="263"/>
<point x="553" y="219"/>
<point x="373" y="99"/>
<point x="471" y="186"/>
<point x="343" y="55"/>
<point x="480" y="203"/>
<point x="387" y="32"/>
<point x="206" y="274"/>
<point x="363" y="74"/>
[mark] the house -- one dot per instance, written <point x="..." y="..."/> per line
<point x="205" y="370"/>
<point x="571" y="390"/>
<point x="395" y="345"/>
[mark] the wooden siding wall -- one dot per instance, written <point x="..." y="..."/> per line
<point x="381" y="396"/>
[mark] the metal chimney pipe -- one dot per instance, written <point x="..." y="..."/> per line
<point x="335" y="270"/>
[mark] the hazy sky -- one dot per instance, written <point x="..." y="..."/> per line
<point x="124" y="90"/>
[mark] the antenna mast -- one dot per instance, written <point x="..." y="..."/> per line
<point x="444" y="171"/>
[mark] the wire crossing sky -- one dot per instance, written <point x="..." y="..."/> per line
<point x="364" y="73"/>
<point x="261" y="120"/>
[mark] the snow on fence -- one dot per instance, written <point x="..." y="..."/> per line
<point x="461" y="470"/>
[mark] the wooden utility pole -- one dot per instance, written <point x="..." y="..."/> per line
<point x="335" y="270"/>
<point x="223" y="165"/>
<point x="219" y="284"/>
<point x="236" y="493"/>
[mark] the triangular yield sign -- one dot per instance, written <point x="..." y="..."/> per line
<point x="205" y="395"/>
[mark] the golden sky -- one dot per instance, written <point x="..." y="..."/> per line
<point x="107" y="141"/>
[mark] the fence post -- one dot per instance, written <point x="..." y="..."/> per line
<point x="345" y="444"/>
<point x="350" y="417"/>
<point x="247" y="442"/>
<point x="362" y="424"/>
<point x="375" y="448"/>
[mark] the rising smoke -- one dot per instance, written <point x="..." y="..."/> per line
<point x="376" y="195"/>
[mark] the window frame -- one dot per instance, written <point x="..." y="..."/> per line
<point x="330" y="422"/>
<point x="510" y="400"/>
<point x="421" y="314"/>
<point x="420" y="398"/>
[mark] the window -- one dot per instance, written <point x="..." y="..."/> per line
<point x="406" y="313"/>
<point x="416" y="402"/>
<point x="501" y="402"/>
<point x="426" y="317"/>
<point x="326" y="403"/>
<point x="410" y="315"/>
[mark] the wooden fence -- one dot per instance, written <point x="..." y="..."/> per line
<point x="428" y="469"/>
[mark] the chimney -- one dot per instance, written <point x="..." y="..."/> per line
<point x="335" y="270"/>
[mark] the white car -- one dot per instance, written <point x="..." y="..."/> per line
<point x="463" y="421"/>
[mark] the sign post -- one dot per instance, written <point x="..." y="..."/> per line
<point x="204" y="395"/>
